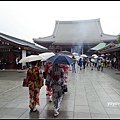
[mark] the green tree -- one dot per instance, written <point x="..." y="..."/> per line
<point x="118" y="40"/>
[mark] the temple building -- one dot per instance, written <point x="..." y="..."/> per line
<point x="75" y="36"/>
<point x="12" y="47"/>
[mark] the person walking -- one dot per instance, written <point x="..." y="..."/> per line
<point x="17" y="62"/>
<point x="91" y="65"/>
<point x="73" y="64"/>
<point x="55" y="80"/>
<point x="84" y="63"/>
<point x="34" y="86"/>
<point x="98" y="64"/>
<point x="80" y="62"/>
<point x="101" y="65"/>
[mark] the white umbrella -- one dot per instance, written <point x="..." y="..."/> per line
<point x="83" y="55"/>
<point x="46" y="55"/>
<point x="95" y="56"/>
<point x="31" y="58"/>
<point x="102" y="55"/>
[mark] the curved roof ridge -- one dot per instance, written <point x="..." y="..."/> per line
<point x="77" y="21"/>
<point x="109" y="35"/>
<point x="45" y="37"/>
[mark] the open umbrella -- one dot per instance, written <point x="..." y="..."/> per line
<point x="46" y="55"/>
<point x="83" y="55"/>
<point x="65" y="53"/>
<point x="94" y="55"/>
<point x="31" y="58"/>
<point x="60" y="59"/>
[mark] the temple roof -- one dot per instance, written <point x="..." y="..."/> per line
<point x="112" y="49"/>
<point x="21" y="42"/>
<point x="77" y="32"/>
<point x="99" y="46"/>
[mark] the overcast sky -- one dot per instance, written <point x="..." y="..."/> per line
<point x="32" y="19"/>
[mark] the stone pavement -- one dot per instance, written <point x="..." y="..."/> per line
<point x="91" y="94"/>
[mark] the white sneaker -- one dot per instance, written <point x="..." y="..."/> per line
<point x="50" y="99"/>
<point x="35" y="109"/>
<point x="56" y="114"/>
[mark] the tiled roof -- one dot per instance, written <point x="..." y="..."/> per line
<point x="21" y="42"/>
<point x="113" y="49"/>
<point x="77" y="32"/>
<point x="99" y="46"/>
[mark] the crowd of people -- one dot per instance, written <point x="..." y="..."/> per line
<point x="99" y="62"/>
<point x="56" y="79"/>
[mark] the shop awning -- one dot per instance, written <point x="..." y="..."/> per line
<point x="99" y="46"/>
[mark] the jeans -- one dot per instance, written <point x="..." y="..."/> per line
<point x="73" y="67"/>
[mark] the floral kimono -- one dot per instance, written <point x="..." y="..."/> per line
<point x="34" y="86"/>
<point x="56" y="82"/>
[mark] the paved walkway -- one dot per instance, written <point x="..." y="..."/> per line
<point x="92" y="94"/>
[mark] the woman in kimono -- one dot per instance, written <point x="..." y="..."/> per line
<point x="34" y="85"/>
<point x="55" y="80"/>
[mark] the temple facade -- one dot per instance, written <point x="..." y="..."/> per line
<point x="75" y="36"/>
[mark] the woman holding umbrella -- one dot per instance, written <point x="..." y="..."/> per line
<point x="55" y="80"/>
<point x="33" y="74"/>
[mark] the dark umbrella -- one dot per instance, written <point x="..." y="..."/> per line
<point x="60" y="59"/>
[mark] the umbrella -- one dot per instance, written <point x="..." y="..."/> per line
<point x="94" y="55"/>
<point x="102" y="55"/>
<point x="90" y="57"/>
<point x="93" y="60"/>
<point x="31" y="58"/>
<point x="46" y="55"/>
<point x="60" y="59"/>
<point x="65" y="53"/>
<point x="83" y="55"/>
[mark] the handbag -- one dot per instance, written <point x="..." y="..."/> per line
<point x="25" y="82"/>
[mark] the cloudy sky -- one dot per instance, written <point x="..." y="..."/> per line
<point x="32" y="19"/>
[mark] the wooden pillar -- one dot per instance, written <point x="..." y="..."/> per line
<point x="11" y="64"/>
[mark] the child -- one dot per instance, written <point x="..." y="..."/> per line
<point x="101" y="65"/>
